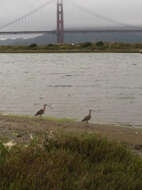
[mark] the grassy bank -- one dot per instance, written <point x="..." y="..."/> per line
<point x="61" y="154"/>
<point x="28" y="117"/>
<point x="75" y="162"/>
<point x="75" y="48"/>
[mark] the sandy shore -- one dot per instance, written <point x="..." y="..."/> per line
<point x="20" y="129"/>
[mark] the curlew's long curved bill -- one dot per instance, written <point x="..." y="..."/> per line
<point x="50" y="106"/>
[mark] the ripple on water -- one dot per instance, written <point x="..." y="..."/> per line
<point x="74" y="82"/>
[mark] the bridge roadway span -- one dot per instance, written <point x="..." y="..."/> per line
<point x="67" y="31"/>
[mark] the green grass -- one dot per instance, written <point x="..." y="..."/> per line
<point x="86" y="47"/>
<point x="43" y="118"/>
<point x="70" y="162"/>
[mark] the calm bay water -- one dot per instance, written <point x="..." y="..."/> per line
<point x="111" y="84"/>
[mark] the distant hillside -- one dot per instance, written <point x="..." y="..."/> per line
<point x="74" y="37"/>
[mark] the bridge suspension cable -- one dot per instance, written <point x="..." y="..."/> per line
<point x="27" y="14"/>
<point x="93" y="13"/>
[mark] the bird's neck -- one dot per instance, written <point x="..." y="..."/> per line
<point x="90" y="112"/>
<point x="44" y="108"/>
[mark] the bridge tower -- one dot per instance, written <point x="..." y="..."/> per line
<point x="60" y="22"/>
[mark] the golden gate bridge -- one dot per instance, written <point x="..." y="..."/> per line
<point x="60" y="22"/>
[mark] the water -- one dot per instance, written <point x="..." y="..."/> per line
<point x="73" y="37"/>
<point x="111" y="84"/>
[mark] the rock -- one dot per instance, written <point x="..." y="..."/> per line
<point x="19" y="135"/>
<point x="138" y="147"/>
<point x="9" y="144"/>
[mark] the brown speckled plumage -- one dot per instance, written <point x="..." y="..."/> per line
<point x="42" y="111"/>
<point x="88" y="117"/>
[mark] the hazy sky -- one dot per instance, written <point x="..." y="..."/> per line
<point x="78" y="13"/>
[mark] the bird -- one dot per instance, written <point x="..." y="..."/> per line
<point x="41" y="111"/>
<point x="88" y="117"/>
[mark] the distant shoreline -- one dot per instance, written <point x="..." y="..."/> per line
<point x="86" y="47"/>
<point x="70" y="51"/>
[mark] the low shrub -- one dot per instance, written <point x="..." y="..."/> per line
<point x="71" y="162"/>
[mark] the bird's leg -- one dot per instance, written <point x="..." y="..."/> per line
<point x="40" y="117"/>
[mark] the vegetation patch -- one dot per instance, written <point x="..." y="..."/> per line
<point x="70" y="162"/>
<point x="99" y="46"/>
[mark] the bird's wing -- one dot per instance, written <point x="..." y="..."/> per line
<point x="39" y="112"/>
<point x="85" y="118"/>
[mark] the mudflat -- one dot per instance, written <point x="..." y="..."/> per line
<point x="20" y="129"/>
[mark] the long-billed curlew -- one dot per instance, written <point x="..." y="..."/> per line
<point x="88" y="117"/>
<point x="42" y="111"/>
